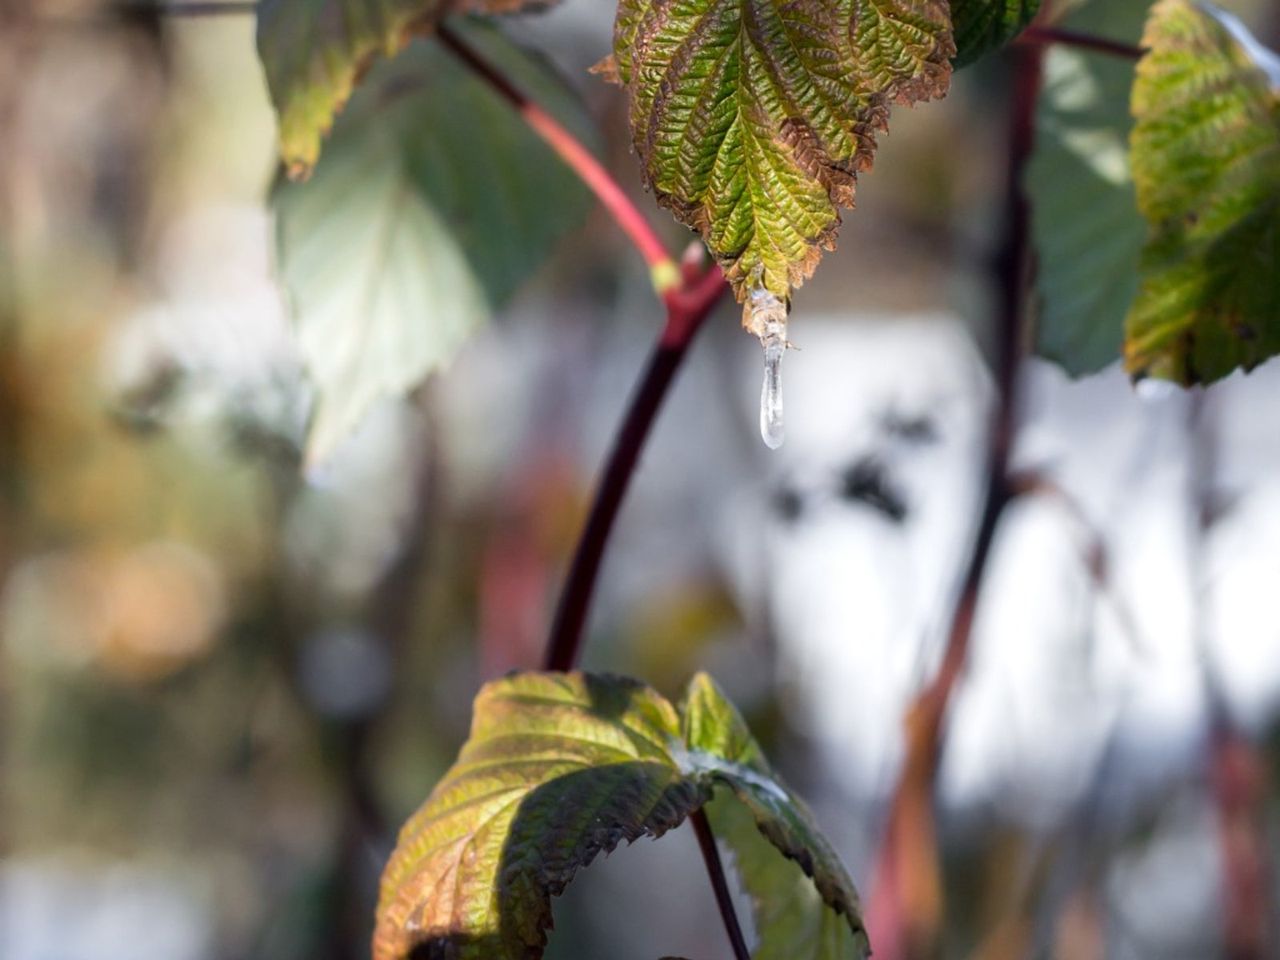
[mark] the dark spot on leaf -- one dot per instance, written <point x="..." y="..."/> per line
<point x="1242" y="330"/>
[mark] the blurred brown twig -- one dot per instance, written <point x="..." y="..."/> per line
<point x="906" y="907"/>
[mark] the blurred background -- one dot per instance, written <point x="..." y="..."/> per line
<point x="226" y="680"/>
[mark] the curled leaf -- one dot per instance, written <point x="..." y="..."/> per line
<point x="562" y="767"/>
<point x="752" y="118"/>
<point x="714" y="728"/>
<point x="557" y="769"/>
<point x="791" y="918"/>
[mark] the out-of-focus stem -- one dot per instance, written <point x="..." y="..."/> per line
<point x="687" y="309"/>
<point x="1056" y="36"/>
<point x="906" y="909"/>
<point x="194" y="8"/>
<point x="1238" y="778"/>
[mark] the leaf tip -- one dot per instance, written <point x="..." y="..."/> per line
<point x="608" y="70"/>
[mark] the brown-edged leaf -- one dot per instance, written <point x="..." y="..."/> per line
<point x="558" y="768"/>
<point x="752" y="118"/>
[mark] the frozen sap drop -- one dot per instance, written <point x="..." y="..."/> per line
<point x="768" y="320"/>
<point x="772" y="428"/>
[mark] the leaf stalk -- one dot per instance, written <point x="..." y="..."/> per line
<point x="662" y="268"/>
<point x="724" y="899"/>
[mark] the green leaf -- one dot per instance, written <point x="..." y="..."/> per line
<point x="791" y="919"/>
<point x="557" y="769"/>
<point x="714" y="729"/>
<point x="1206" y="160"/>
<point x="791" y="913"/>
<point x="1085" y="223"/>
<point x="562" y="767"/>
<point x="752" y="118"/>
<point x="431" y="205"/>
<point x="982" y="26"/>
<point x="315" y="51"/>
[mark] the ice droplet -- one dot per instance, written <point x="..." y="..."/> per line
<point x="769" y="321"/>
<point x="772" y="429"/>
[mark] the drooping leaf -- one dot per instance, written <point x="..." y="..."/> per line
<point x="433" y="202"/>
<point x="982" y="26"/>
<point x="315" y="51"/>
<point x="752" y="118"/>
<point x="1085" y="224"/>
<point x="791" y="919"/>
<point x="558" y="768"/>
<point x="1206" y="160"/>
<point x="809" y="901"/>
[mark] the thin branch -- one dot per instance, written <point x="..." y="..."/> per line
<point x="906" y="908"/>
<point x="1056" y="36"/>
<point x="689" y="299"/>
<point x="1238" y="776"/>
<point x="194" y="8"/>
<point x="724" y="900"/>
<point x="689" y="296"/>
<point x="1094" y="553"/>
<point x="687" y="308"/>
<point x="662" y="269"/>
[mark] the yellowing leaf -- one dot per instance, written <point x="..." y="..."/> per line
<point x="558" y="768"/>
<point x="315" y="51"/>
<point x="1206" y="162"/>
<point x="752" y="118"/>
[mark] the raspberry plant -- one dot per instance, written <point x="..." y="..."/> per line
<point x="415" y="139"/>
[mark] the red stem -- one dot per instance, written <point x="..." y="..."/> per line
<point x="1056" y="36"/>
<point x="580" y="160"/>
<point x="687" y="308"/>
<point x="724" y="900"/>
